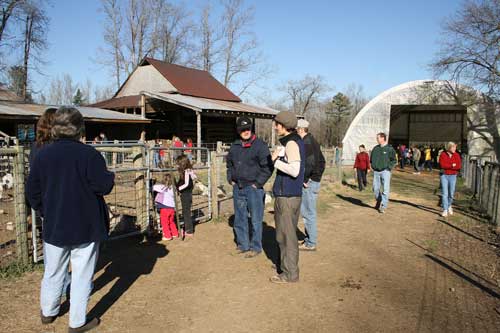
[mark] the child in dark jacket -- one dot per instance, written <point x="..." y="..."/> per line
<point x="362" y="166"/>
<point x="185" y="187"/>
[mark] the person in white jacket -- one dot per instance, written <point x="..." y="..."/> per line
<point x="165" y="201"/>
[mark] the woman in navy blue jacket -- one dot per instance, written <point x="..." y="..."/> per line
<point x="67" y="182"/>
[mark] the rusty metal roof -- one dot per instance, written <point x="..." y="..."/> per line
<point x="8" y="95"/>
<point x="119" y="102"/>
<point x="22" y="110"/>
<point x="192" y="82"/>
<point x="212" y="105"/>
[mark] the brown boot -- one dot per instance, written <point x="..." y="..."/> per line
<point x="47" y="320"/>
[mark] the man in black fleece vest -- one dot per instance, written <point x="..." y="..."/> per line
<point x="314" y="168"/>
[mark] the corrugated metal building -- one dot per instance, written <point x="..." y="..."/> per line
<point x="19" y="119"/>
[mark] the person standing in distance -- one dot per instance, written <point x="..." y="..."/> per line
<point x="383" y="160"/>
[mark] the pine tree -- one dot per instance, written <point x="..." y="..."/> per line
<point x="78" y="98"/>
<point x="338" y="112"/>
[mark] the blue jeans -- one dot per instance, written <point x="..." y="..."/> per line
<point x="56" y="259"/>
<point x="248" y="199"/>
<point x="156" y="158"/>
<point x="382" y="179"/>
<point x="428" y="165"/>
<point x="448" y="183"/>
<point x="308" y="211"/>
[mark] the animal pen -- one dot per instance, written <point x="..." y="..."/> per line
<point x="131" y="204"/>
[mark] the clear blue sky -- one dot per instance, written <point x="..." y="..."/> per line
<point x="375" y="43"/>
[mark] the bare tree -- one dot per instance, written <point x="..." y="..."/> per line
<point x="470" y="54"/>
<point x="36" y="24"/>
<point x="209" y="48"/>
<point x="103" y="93"/>
<point x="8" y="8"/>
<point x="87" y="87"/>
<point x="240" y="54"/>
<point x="303" y="93"/>
<point x="357" y="97"/>
<point x="175" y="34"/>
<point x="112" y="55"/>
<point x="56" y="92"/>
<point x="69" y="89"/>
<point x="470" y="49"/>
<point x="137" y="20"/>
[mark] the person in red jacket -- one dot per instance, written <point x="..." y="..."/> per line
<point x="362" y="166"/>
<point x="450" y="164"/>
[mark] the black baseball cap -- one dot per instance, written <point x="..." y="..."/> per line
<point x="243" y="123"/>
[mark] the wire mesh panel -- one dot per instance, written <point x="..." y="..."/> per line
<point x="128" y="201"/>
<point x="13" y="210"/>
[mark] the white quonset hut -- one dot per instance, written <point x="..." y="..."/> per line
<point x="427" y="112"/>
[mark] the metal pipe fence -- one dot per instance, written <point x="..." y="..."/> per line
<point x="14" y="220"/>
<point x="132" y="210"/>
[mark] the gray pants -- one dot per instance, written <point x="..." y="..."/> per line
<point x="286" y="218"/>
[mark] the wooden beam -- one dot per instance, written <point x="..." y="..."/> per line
<point x="273" y="134"/>
<point x="143" y="106"/>
<point x="198" y="136"/>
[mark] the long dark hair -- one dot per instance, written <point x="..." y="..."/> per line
<point x="167" y="180"/>
<point x="183" y="164"/>
<point x="44" y="127"/>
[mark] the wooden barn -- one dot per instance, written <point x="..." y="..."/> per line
<point x="181" y="101"/>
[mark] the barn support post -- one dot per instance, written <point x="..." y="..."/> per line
<point x="20" y="207"/>
<point x="198" y="136"/>
<point x="273" y="134"/>
<point x="215" y="183"/>
<point x="217" y="171"/>
<point x="114" y="155"/>
<point x="143" y="106"/>
<point x="140" y="188"/>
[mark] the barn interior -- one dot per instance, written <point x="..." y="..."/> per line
<point x="427" y="125"/>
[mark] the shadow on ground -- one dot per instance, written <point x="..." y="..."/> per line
<point x="123" y="260"/>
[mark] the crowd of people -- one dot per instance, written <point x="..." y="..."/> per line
<point x="69" y="179"/>
<point x="165" y="156"/>
<point x="420" y="157"/>
<point x="384" y="158"/>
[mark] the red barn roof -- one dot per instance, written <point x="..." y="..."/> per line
<point x="190" y="81"/>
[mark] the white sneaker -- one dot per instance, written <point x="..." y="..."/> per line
<point x="450" y="211"/>
<point x="444" y="213"/>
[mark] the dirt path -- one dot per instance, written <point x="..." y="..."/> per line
<point x="406" y="270"/>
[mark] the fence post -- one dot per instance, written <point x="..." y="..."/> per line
<point x="140" y="188"/>
<point x="114" y="158"/>
<point x="20" y="207"/>
<point x="339" y="165"/>
<point x="215" y="184"/>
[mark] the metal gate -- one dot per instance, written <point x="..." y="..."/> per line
<point x="131" y="203"/>
<point x="162" y="160"/>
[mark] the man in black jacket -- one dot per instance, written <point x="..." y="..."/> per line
<point x="67" y="183"/>
<point x="249" y="166"/>
<point x="315" y="166"/>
